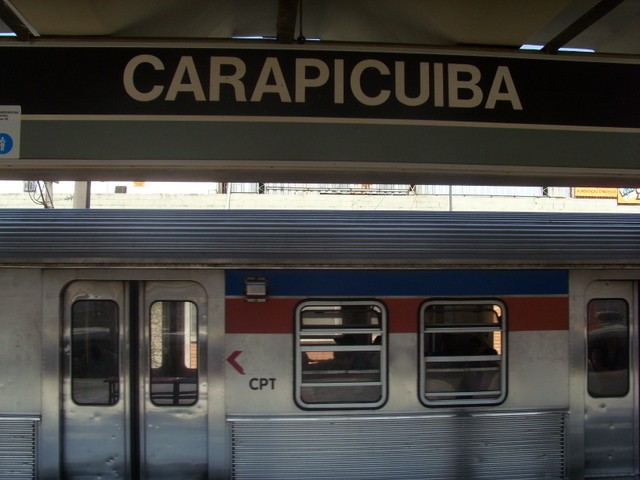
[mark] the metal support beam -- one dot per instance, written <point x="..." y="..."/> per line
<point x="286" y="23"/>
<point x="580" y="25"/>
<point x="15" y="21"/>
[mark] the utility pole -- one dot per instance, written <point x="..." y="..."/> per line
<point x="82" y="195"/>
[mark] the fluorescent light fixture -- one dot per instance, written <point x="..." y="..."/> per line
<point x="531" y="47"/>
<point x="579" y="50"/>
<point x="252" y="37"/>
<point x="261" y="37"/>
<point x="7" y="34"/>
<point x="527" y="46"/>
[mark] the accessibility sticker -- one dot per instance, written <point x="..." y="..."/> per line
<point x="10" y="131"/>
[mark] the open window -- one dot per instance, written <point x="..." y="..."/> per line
<point x="462" y="352"/>
<point x="341" y="354"/>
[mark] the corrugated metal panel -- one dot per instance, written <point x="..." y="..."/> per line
<point x="277" y="188"/>
<point x="559" y="192"/>
<point x="480" y="190"/>
<point x="479" y="446"/>
<point x="338" y="188"/>
<point x="224" y="237"/>
<point x="243" y="187"/>
<point x="18" y="447"/>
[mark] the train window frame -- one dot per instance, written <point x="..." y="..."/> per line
<point x="375" y="350"/>
<point x="609" y="386"/>
<point x="488" y="358"/>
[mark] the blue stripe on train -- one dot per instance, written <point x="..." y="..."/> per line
<point x="377" y="283"/>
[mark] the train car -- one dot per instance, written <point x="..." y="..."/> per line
<point x="313" y="345"/>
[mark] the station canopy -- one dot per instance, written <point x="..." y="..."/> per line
<point x="609" y="27"/>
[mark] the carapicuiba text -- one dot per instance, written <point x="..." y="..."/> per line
<point x="369" y="82"/>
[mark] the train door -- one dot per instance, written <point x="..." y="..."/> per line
<point x="134" y="381"/>
<point x="611" y="397"/>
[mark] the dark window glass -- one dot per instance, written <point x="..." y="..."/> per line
<point x="608" y="348"/>
<point x="341" y="356"/>
<point x="94" y="352"/>
<point x="174" y="353"/>
<point x="463" y="352"/>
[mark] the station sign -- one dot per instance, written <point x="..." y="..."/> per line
<point x="9" y="131"/>
<point x="310" y="113"/>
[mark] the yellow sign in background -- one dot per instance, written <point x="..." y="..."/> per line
<point x="625" y="196"/>
<point x="595" y="192"/>
<point x="629" y="196"/>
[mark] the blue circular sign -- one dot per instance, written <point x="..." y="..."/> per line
<point x="6" y="143"/>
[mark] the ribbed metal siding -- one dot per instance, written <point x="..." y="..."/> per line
<point x="479" y="190"/>
<point x="337" y="188"/>
<point x="243" y="187"/>
<point x="481" y="446"/>
<point x="18" y="447"/>
<point x="319" y="237"/>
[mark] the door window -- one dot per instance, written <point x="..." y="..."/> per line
<point x="608" y="348"/>
<point x="94" y="352"/>
<point x="174" y="353"/>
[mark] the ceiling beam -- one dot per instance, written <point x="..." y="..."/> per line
<point x="580" y="25"/>
<point x="12" y="18"/>
<point x="286" y="23"/>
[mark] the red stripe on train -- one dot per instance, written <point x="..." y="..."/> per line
<point x="537" y="313"/>
<point x="276" y="315"/>
<point x="273" y="316"/>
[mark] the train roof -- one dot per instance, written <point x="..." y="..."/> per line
<point x="317" y="238"/>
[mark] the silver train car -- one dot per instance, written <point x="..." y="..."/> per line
<point x="314" y="345"/>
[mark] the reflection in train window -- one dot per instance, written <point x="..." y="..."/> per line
<point x="341" y="354"/>
<point x="174" y="353"/>
<point x="463" y="353"/>
<point x="608" y="348"/>
<point x="94" y="352"/>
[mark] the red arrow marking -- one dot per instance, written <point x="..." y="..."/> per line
<point x="232" y="361"/>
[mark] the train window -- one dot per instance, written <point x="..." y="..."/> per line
<point x="341" y="354"/>
<point x="174" y="353"/>
<point x="608" y="348"/>
<point x="94" y="352"/>
<point x="463" y="353"/>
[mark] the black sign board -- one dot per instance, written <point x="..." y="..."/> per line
<point x="316" y="83"/>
